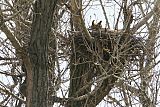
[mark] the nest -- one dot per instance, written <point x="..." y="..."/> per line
<point x="108" y="44"/>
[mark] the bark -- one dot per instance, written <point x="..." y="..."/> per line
<point x="38" y="51"/>
<point x="83" y="69"/>
<point x="79" y="69"/>
<point x="79" y="76"/>
<point x="151" y="41"/>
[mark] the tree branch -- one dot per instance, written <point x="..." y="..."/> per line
<point x="13" y="95"/>
<point x="142" y="22"/>
<point x="21" y="53"/>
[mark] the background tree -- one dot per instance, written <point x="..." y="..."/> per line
<point x="52" y="54"/>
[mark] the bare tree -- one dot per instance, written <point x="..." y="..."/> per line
<point x="49" y="56"/>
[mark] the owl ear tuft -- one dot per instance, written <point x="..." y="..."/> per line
<point x="96" y="26"/>
<point x="99" y="24"/>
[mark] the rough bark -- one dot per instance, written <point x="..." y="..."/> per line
<point x="83" y="66"/>
<point x="79" y="74"/>
<point x="38" y="51"/>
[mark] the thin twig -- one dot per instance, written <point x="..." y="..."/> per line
<point x="105" y="15"/>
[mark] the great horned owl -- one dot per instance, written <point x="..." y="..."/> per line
<point x="96" y="26"/>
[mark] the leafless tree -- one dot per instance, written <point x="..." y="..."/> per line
<point x="79" y="53"/>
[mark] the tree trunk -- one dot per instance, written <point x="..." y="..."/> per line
<point x="38" y="51"/>
<point x="80" y="70"/>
